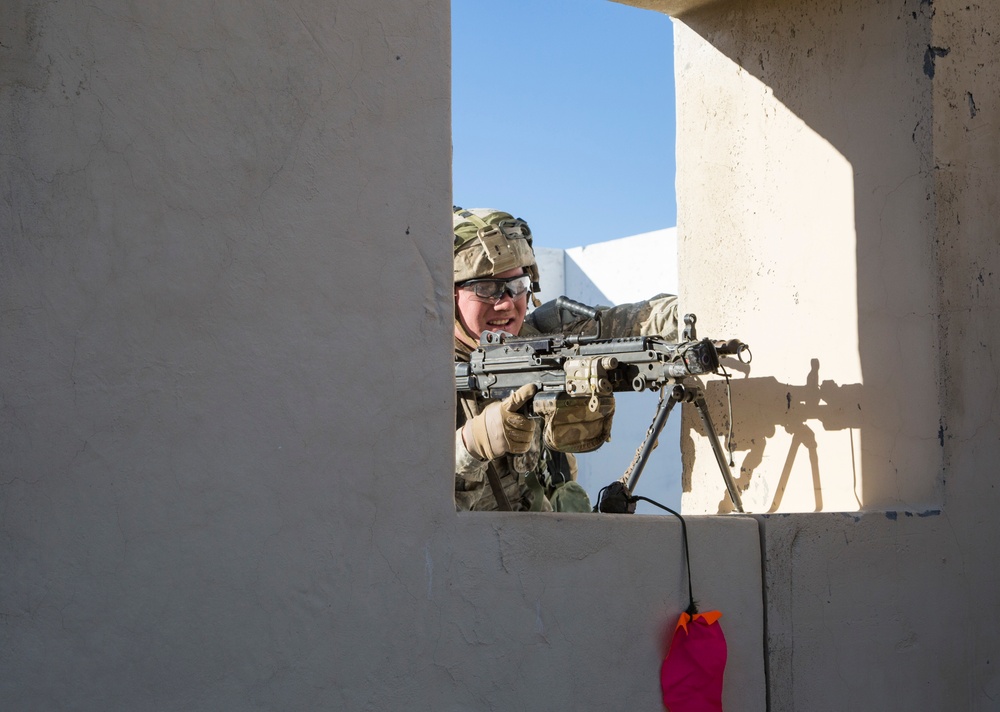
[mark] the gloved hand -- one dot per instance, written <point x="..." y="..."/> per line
<point x="500" y="429"/>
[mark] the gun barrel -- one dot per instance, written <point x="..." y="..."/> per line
<point x="636" y="363"/>
<point x="734" y="347"/>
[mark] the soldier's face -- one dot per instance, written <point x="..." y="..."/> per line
<point x="478" y="315"/>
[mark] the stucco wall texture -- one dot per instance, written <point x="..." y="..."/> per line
<point x="225" y="383"/>
<point x="226" y="394"/>
<point x="838" y="191"/>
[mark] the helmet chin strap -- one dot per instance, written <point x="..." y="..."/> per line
<point x="464" y="337"/>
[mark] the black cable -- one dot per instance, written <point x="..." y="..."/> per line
<point x="692" y="605"/>
<point x="619" y="501"/>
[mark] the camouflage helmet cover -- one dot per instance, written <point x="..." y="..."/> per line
<point x="489" y="242"/>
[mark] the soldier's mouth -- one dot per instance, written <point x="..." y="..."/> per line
<point x="499" y="322"/>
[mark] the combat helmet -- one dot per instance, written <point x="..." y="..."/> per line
<point x="489" y="242"/>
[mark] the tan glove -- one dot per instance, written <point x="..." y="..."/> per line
<point x="500" y="429"/>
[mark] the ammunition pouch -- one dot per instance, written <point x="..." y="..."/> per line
<point x="572" y="424"/>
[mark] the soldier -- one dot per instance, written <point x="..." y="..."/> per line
<point x="503" y="459"/>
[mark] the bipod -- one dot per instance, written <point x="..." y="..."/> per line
<point x="686" y="394"/>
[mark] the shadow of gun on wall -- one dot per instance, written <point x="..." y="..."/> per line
<point x="759" y="407"/>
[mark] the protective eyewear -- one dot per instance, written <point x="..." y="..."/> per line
<point x="492" y="290"/>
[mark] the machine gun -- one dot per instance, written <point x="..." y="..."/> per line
<point x="582" y="366"/>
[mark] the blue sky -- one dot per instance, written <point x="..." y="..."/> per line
<point x="563" y="114"/>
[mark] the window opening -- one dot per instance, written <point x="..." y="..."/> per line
<point x="563" y="114"/>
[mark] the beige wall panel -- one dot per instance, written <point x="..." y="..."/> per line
<point x="806" y="229"/>
<point x="226" y="391"/>
<point x="895" y="609"/>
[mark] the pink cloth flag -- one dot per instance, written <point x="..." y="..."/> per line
<point x="691" y="674"/>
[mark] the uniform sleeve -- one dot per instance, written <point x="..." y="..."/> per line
<point x="662" y="318"/>
<point x="655" y="316"/>
<point x="470" y="476"/>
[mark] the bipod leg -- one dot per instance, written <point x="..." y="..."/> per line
<point x="663" y="409"/>
<point x="727" y="475"/>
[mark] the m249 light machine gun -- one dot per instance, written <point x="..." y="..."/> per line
<point x="589" y="366"/>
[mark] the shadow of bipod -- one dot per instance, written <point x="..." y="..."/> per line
<point x="764" y="404"/>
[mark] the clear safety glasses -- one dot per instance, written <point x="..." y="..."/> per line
<point x="492" y="290"/>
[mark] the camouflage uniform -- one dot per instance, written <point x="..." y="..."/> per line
<point x="490" y="242"/>
<point x="528" y="479"/>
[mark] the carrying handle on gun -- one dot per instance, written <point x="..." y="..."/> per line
<point x="580" y="309"/>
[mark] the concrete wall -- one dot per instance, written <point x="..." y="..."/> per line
<point x="226" y="391"/>
<point x="807" y="208"/>
<point x="838" y="183"/>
